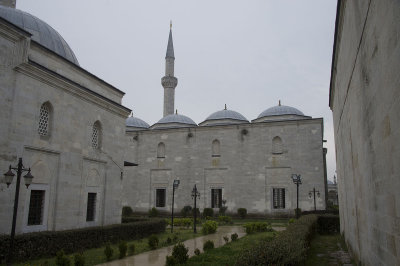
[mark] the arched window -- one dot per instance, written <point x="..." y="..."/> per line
<point x="45" y="119"/>
<point x="277" y="147"/>
<point x="216" y="148"/>
<point x="96" y="135"/>
<point x="161" y="150"/>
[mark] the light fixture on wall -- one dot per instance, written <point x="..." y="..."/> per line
<point x="8" y="178"/>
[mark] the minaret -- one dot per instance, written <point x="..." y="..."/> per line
<point x="169" y="82"/>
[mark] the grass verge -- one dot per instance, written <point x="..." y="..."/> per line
<point x="226" y="255"/>
<point x="96" y="255"/>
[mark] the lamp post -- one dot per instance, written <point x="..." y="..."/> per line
<point x="310" y="195"/>
<point x="175" y="185"/>
<point x="8" y="177"/>
<point x="195" y="195"/>
<point x="297" y="181"/>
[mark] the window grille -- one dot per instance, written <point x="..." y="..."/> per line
<point x="91" y="207"/>
<point x="36" y="204"/>
<point x="216" y="198"/>
<point x="96" y="136"/>
<point x="279" y="198"/>
<point x="44" y="120"/>
<point x="160" y="197"/>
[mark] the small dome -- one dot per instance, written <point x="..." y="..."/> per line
<point x="136" y="122"/>
<point x="173" y="121"/>
<point x="280" y="110"/>
<point x="40" y="30"/>
<point x="224" y="117"/>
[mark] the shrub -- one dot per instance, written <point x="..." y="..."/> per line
<point x="234" y="237"/>
<point x="208" y="245"/>
<point x="108" y="251"/>
<point x="226" y="239"/>
<point x="186" y="222"/>
<point x="79" y="259"/>
<point x="153" y="241"/>
<point x="170" y="261"/>
<point x="180" y="253"/>
<point x="125" y="219"/>
<point x="258" y="227"/>
<point x="122" y="249"/>
<point x="223" y="208"/>
<point x="186" y="211"/>
<point x="328" y="224"/>
<point x="291" y="220"/>
<point x="153" y="212"/>
<point x="197" y="252"/>
<point x="209" y="227"/>
<point x="131" y="249"/>
<point x="289" y="247"/>
<point x="127" y="211"/>
<point x="242" y="212"/>
<point x="62" y="259"/>
<point x="208" y="212"/>
<point x="169" y="240"/>
<point x="224" y="220"/>
<point x="297" y="212"/>
<point x="175" y="238"/>
<point x="31" y="246"/>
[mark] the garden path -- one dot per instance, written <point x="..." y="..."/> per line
<point x="157" y="257"/>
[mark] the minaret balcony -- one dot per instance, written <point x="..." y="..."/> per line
<point x="169" y="82"/>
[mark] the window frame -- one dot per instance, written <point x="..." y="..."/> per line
<point x="44" y="225"/>
<point x="156" y="201"/>
<point x="216" y="197"/>
<point x="280" y="198"/>
<point x="49" y="107"/>
<point x="93" y="207"/>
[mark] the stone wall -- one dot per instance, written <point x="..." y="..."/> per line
<point x="246" y="169"/>
<point x="365" y="102"/>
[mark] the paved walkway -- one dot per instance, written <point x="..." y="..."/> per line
<point x="157" y="257"/>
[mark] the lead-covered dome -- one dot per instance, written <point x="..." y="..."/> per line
<point x="41" y="32"/>
<point x="224" y="117"/>
<point x="280" y="112"/>
<point x="174" y="121"/>
<point x="134" y="123"/>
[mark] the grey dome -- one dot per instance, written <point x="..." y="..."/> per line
<point x="136" y="122"/>
<point x="224" y="117"/>
<point x="40" y="30"/>
<point x="174" y="120"/>
<point x="281" y="110"/>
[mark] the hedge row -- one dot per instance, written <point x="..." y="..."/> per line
<point x="287" y="248"/>
<point x="328" y="224"/>
<point x="133" y="219"/>
<point x="46" y="244"/>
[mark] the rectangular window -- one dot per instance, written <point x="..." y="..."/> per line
<point x="216" y="198"/>
<point x="160" y="197"/>
<point x="91" y="207"/>
<point x="36" y="204"/>
<point x="279" y="198"/>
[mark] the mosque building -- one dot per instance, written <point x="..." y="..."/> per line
<point x="229" y="159"/>
<point x="89" y="158"/>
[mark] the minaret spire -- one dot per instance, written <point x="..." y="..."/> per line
<point x="169" y="82"/>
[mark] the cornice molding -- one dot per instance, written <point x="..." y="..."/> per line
<point x="53" y="79"/>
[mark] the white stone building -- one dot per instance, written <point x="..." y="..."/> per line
<point x="365" y="101"/>
<point x="248" y="164"/>
<point x="65" y="123"/>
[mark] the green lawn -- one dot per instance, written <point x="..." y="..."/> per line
<point x="321" y="248"/>
<point x="227" y="254"/>
<point x="96" y="255"/>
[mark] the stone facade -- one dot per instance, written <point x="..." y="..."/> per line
<point x="245" y="165"/>
<point x="50" y="107"/>
<point x="365" y="100"/>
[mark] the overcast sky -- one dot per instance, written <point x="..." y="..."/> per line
<point x="246" y="54"/>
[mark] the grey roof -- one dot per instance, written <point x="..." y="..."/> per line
<point x="136" y="122"/>
<point x="40" y="30"/>
<point x="176" y="118"/>
<point x="226" y="114"/>
<point x="280" y="110"/>
<point x="170" y="47"/>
